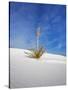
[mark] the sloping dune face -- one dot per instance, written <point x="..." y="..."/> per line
<point x="49" y="70"/>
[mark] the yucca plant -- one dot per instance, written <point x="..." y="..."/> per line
<point x="34" y="53"/>
<point x="38" y="52"/>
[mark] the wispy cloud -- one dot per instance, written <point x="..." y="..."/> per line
<point x="52" y="42"/>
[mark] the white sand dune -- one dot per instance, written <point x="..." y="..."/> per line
<point x="49" y="70"/>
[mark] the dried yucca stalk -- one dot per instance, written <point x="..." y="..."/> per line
<point x="38" y="52"/>
<point x="38" y="32"/>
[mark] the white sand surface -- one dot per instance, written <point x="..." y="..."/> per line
<point x="49" y="70"/>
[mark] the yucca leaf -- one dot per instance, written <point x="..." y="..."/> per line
<point x="35" y="53"/>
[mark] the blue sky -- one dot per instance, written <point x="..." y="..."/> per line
<point x="25" y="18"/>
